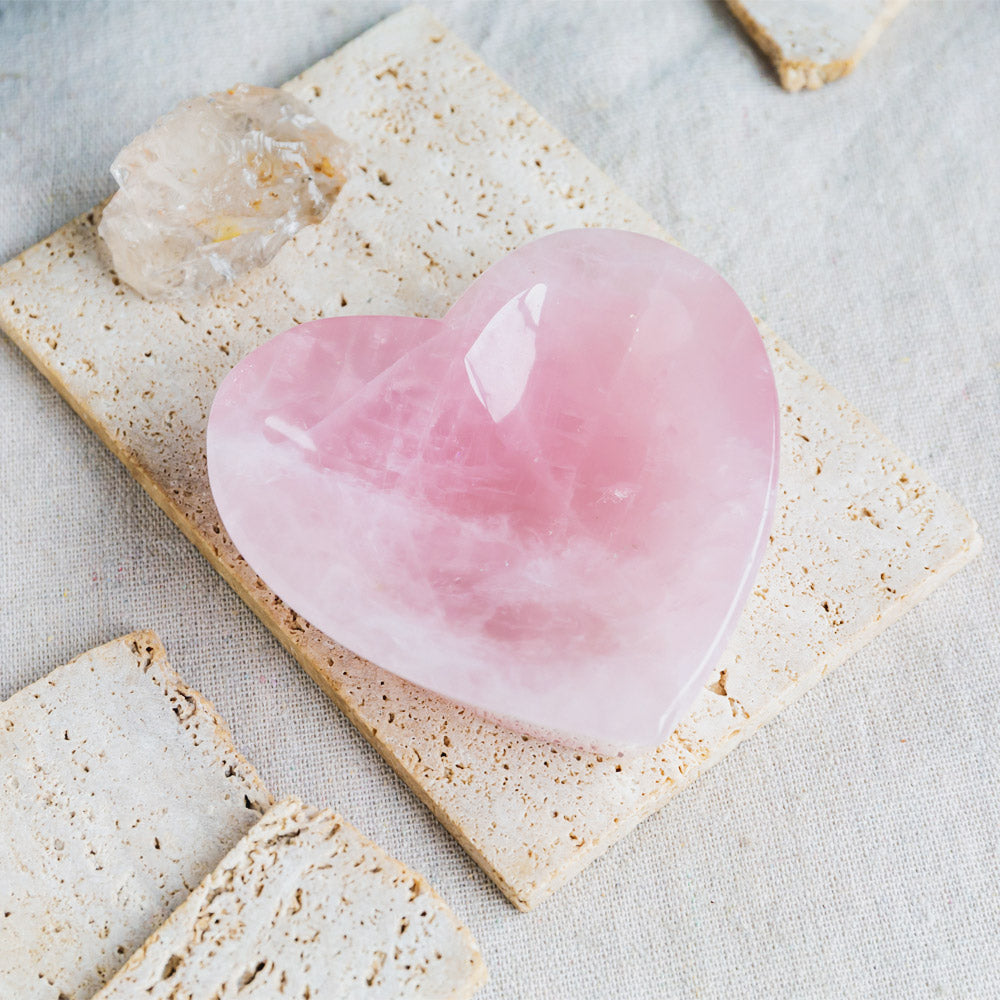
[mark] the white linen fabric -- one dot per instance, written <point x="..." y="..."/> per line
<point x="851" y="848"/>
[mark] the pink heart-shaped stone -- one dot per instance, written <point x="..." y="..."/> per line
<point x="551" y="504"/>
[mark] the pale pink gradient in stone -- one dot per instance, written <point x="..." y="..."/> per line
<point x="550" y="505"/>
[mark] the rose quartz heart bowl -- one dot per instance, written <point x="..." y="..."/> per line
<point x="549" y="505"/>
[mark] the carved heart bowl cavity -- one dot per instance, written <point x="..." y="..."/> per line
<point x="550" y="505"/>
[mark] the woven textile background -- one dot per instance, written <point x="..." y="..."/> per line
<point x="850" y="849"/>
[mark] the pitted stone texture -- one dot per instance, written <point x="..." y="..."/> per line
<point x="814" y="43"/>
<point x="121" y="789"/>
<point x="216" y="188"/>
<point x="550" y="505"/>
<point x="306" y="906"/>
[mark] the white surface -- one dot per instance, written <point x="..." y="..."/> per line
<point x="851" y="848"/>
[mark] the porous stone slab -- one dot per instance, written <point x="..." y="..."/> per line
<point x="121" y="790"/>
<point x="304" y="905"/>
<point x="812" y="42"/>
<point x="455" y="170"/>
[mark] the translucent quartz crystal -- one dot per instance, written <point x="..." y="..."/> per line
<point x="551" y="504"/>
<point x="216" y="187"/>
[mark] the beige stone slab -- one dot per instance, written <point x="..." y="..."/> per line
<point x="121" y="790"/>
<point x="812" y="42"/>
<point x="305" y="906"/>
<point x="454" y="169"/>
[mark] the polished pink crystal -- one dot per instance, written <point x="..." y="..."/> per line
<point x="551" y="504"/>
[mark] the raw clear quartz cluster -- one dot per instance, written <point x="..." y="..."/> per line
<point x="551" y="504"/>
<point x="215" y="189"/>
